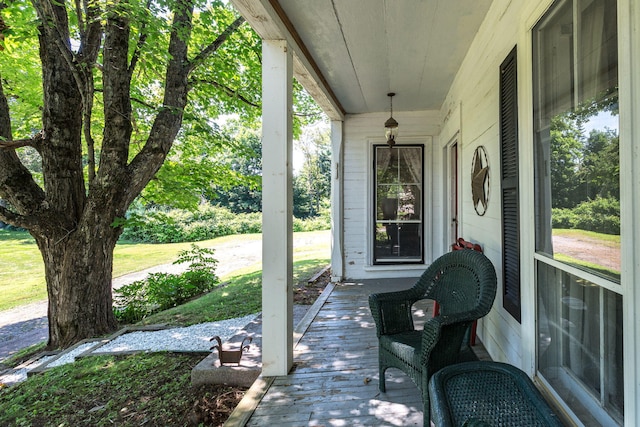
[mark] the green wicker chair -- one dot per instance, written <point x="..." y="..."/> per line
<point x="464" y="284"/>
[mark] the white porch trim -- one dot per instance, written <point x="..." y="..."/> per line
<point x="277" y="208"/>
<point x="337" y="196"/>
<point x="629" y="98"/>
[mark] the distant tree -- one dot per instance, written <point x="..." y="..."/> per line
<point x="246" y="197"/>
<point x="600" y="169"/>
<point x="312" y="185"/>
<point x="566" y="153"/>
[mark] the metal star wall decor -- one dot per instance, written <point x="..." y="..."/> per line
<point x="480" y="180"/>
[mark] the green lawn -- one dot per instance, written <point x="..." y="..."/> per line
<point x="98" y="390"/>
<point x="606" y="239"/>
<point x="597" y="242"/>
<point x="22" y="273"/>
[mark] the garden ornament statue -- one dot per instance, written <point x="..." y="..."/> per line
<point x="230" y="356"/>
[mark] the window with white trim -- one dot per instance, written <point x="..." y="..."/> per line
<point x="577" y="208"/>
<point x="398" y="201"/>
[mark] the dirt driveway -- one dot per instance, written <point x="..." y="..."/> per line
<point x="606" y="254"/>
<point x="27" y="325"/>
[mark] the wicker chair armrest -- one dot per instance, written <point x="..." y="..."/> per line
<point x="391" y="312"/>
<point x="431" y="334"/>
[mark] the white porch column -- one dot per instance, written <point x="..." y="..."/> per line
<point x="337" y="194"/>
<point x="277" y="208"/>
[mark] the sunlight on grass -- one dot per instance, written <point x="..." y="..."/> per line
<point x="584" y="244"/>
<point x="585" y="265"/>
<point x="24" y="354"/>
<point x="131" y="257"/>
<point x="240" y="295"/>
<point x="564" y="232"/>
<point x="22" y="274"/>
<point x="99" y="391"/>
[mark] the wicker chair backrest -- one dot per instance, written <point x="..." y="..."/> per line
<point x="460" y="281"/>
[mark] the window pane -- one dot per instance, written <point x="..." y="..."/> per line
<point x="386" y="166"/>
<point x="580" y="341"/>
<point x="576" y="141"/>
<point x="398" y="201"/>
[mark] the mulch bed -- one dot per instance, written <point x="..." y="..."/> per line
<point x="305" y="293"/>
<point x="214" y="410"/>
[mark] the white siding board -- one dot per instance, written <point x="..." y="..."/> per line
<point x="361" y="132"/>
<point x="475" y="90"/>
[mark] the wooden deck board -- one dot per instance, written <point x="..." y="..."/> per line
<point x="334" y="381"/>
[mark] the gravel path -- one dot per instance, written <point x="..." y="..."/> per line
<point x="27" y="325"/>
<point x="190" y="338"/>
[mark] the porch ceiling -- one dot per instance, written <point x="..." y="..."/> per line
<point x="363" y="49"/>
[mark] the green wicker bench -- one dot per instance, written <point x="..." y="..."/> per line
<point x="464" y="284"/>
<point x="487" y="394"/>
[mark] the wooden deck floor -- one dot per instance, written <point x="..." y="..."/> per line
<point x="334" y="381"/>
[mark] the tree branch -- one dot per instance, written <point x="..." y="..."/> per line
<point x="90" y="37"/>
<point x="79" y="14"/>
<point x="142" y="40"/>
<point x="88" y="137"/>
<point x="116" y="95"/>
<point x="81" y="66"/>
<point x="3" y="27"/>
<point x="235" y="94"/>
<point x="229" y="91"/>
<point x="209" y="50"/>
<point x="14" y="219"/>
<point x="54" y="22"/>
<point x="139" y="101"/>
<point x="144" y="103"/>
<point x="16" y="182"/>
<point x="307" y="114"/>
<point x="34" y="142"/>
<point x="169" y="119"/>
<point x="5" y="117"/>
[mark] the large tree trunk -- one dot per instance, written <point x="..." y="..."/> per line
<point x="77" y="263"/>
<point x="78" y="271"/>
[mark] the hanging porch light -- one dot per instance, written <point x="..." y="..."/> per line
<point x="391" y="125"/>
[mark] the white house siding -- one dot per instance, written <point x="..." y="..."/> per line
<point x="473" y="99"/>
<point x="360" y="133"/>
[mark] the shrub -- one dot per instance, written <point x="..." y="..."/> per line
<point x="131" y="304"/>
<point x="208" y="222"/>
<point x="563" y="218"/>
<point x="601" y="215"/>
<point x="320" y="222"/>
<point x="160" y="291"/>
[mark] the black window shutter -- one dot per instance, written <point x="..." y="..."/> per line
<point x="509" y="161"/>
